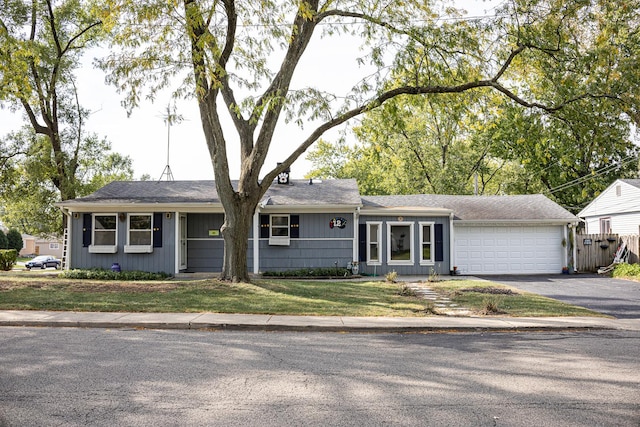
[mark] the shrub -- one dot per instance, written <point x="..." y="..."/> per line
<point x="490" y="306"/>
<point x="14" y="239"/>
<point x="310" y="272"/>
<point x="626" y="270"/>
<point x="433" y="276"/>
<point x="406" y="291"/>
<point x="392" y="276"/>
<point x="8" y="259"/>
<point x="102" y="274"/>
<point x="430" y="308"/>
<point x="4" y="242"/>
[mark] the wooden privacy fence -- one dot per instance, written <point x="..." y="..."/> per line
<point x="598" y="250"/>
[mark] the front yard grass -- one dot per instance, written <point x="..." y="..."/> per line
<point x="23" y="291"/>
<point x="477" y="295"/>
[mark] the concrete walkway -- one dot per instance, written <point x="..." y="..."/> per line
<point x="213" y="321"/>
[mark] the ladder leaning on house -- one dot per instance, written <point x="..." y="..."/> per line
<point x="65" y="240"/>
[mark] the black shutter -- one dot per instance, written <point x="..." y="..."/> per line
<point x="294" y="226"/>
<point x="439" y="242"/>
<point x="264" y="226"/>
<point x="86" y="230"/>
<point x="362" y="242"/>
<point x="157" y="230"/>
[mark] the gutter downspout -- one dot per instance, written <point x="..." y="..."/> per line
<point x="177" y="244"/>
<point x="565" y="252"/>
<point x="356" y="237"/>
<point x="574" y="227"/>
<point x="256" y="242"/>
<point x="452" y="256"/>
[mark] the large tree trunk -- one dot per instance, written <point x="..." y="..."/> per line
<point x="235" y="231"/>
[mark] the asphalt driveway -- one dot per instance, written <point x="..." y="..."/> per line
<point x="615" y="297"/>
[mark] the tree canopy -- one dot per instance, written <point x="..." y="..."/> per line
<point x="238" y="59"/>
<point x="53" y="158"/>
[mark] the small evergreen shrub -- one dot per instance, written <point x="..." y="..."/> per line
<point x="8" y="259"/>
<point x="14" y="240"/>
<point x="4" y="242"/>
<point x="103" y="274"/>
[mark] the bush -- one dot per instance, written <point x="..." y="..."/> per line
<point x="8" y="259"/>
<point x="310" y="272"/>
<point x="4" y="242"/>
<point x="103" y="274"/>
<point x="490" y="306"/>
<point x="626" y="270"/>
<point x="14" y="239"/>
<point x="391" y="277"/>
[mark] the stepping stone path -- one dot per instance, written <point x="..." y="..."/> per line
<point x="442" y="304"/>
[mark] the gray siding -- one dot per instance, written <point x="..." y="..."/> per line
<point x="319" y="245"/>
<point x="205" y="253"/>
<point x="160" y="260"/>
<point x="441" y="267"/>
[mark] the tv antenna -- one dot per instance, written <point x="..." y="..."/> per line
<point x="170" y="117"/>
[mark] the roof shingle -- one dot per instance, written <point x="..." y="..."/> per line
<point x="478" y="208"/>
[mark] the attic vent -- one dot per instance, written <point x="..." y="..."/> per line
<point x="618" y="190"/>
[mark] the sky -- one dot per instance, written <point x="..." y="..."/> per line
<point x="329" y="63"/>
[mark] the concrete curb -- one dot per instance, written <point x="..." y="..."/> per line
<point x="214" y="321"/>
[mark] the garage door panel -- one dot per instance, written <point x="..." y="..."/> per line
<point x="508" y="250"/>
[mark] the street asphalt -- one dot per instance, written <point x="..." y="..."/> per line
<point x="591" y="291"/>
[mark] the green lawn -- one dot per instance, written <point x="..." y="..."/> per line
<point x="478" y="294"/>
<point x="25" y="291"/>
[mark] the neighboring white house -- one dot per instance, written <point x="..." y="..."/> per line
<point x="616" y="210"/>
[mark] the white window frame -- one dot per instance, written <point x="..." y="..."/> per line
<point x="378" y="242"/>
<point x="409" y="261"/>
<point x="139" y="249"/>
<point x="431" y="242"/>
<point x="103" y="249"/>
<point x="54" y="246"/>
<point x="603" y="221"/>
<point x="279" y="240"/>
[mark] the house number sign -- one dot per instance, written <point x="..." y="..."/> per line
<point x="337" y="222"/>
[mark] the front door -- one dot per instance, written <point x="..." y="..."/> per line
<point x="183" y="242"/>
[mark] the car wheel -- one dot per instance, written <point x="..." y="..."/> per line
<point x="28" y="268"/>
<point x="57" y="266"/>
<point x="43" y="266"/>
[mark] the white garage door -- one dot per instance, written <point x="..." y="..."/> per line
<point x="508" y="249"/>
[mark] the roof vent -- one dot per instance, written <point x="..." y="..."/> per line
<point x="283" y="177"/>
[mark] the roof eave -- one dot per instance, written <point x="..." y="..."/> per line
<point x="309" y="208"/>
<point x="550" y="221"/>
<point x="405" y="210"/>
<point x="88" y="207"/>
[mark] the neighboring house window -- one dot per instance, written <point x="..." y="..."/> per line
<point x="426" y="243"/>
<point x="400" y="243"/>
<point x="279" y="230"/>
<point x="105" y="232"/>
<point x="54" y="246"/>
<point x="139" y="233"/>
<point x="374" y="236"/>
<point x="605" y="225"/>
<point x="618" y="190"/>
